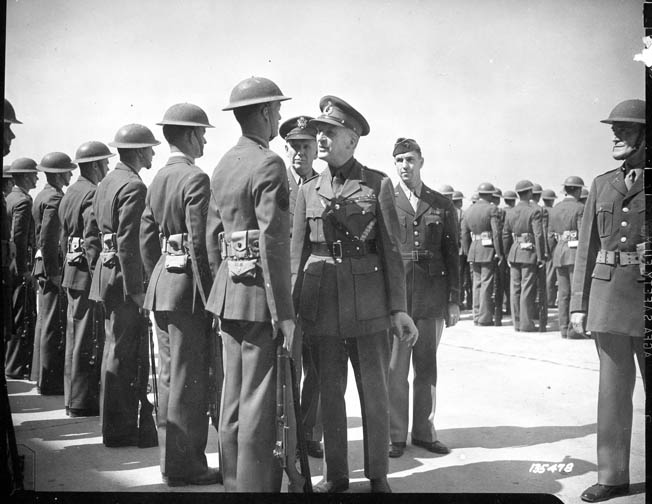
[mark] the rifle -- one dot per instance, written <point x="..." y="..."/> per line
<point x="289" y="431"/>
<point x="215" y="375"/>
<point x="147" y="434"/>
<point x="542" y="295"/>
<point x="150" y="336"/>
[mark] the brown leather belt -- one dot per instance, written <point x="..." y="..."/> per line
<point x="340" y="250"/>
<point x="417" y="255"/>
<point x="617" y="257"/>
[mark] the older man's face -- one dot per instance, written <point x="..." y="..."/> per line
<point x="625" y="139"/>
<point x="301" y="153"/>
<point x="408" y="166"/>
<point x="333" y="142"/>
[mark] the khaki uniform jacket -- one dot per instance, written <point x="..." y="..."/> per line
<point x="565" y="216"/>
<point x="524" y="218"/>
<point x="118" y="206"/>
<point x="357" y="296"/>
<point x="613" y="220"/>
<point x="48" y="232"/>
<point x="249" y="190"/>
<point x="479" y="218"/>
<point x="19" y="208"/>
<point x="431" y="283"/>
<point x="294" y="189"/>
<point x="75" y="214"/>
<point x="177" y="202"/>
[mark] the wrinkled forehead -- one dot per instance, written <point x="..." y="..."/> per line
<point x="407" y="156"/>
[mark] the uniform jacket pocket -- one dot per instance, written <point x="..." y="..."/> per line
<point x="605" y="212"/>
<point x="369" y="284"/>
<point x="602" y="272"/>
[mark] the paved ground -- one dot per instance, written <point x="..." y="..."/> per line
<point x="506" y="401"/>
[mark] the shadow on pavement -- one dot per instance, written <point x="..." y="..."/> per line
<point x="64" y="429"/>
<point x="113" y="459"/>
<point x="20" y="386"/>
<point x="35" y="403"/>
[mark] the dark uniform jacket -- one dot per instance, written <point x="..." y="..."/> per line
<point x="75" y="214"/>
<point x="431" y="282"/>
<point x="481" y="217"/>
<point x="356" y="296"/>
<point x="177" y="202"/>
<point x="19" y="208"/>
<point x="524" y="218"/>
<point x="565" y="216"/>
<point x="249" y="191"/>
<point x="118" y="206"/>
<point x="48" y="232"/>
<point x="545" y="225"/>
<point x="612" y="295"/>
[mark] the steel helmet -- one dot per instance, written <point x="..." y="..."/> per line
<point x="573" y="181"/>
<point x="23" y="165"/>
<point x="497" y="192"/>
<point x="509" y="195"/>
<point x="6" y="174"/>
<point x="523" y="185"/>
<point x="92" y="151"/>
<point x="548" y="194"/>
<point x="486" y="188"/>
<point x="185" y="114"/>
<point x="537" y="189"/>
<point x="475" y="197"/>
<point x="10" y="114"/>
<point x="134" y="136"/>
<point x="457" y="195"/>
<point x="627" y="111"/>
<point x="585" y="193"/>
<point x="254" y="90"/>
<point x="446" y="190"/>
<point x="56" y="162"/>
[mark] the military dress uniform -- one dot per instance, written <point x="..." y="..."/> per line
<point x="428" y="242"/>
<point x="118" y="205"/>
<point x="481" y="242"/>
<point x="83" y="339"/>
<point x="19" y="349"/>
<point x="466" y="283"/>
<point x="542" y="273"/>
<point x="523" y="237"/>
<point x="499" y="277"/>
<point x="565" y="222"/>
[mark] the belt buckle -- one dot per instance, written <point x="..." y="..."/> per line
<point x="336" y="251"/>
<point x="415" y="255"/>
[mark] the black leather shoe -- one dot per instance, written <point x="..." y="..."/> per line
<point x="598" y="492"/>
<point x="485" y="323"/>
<point x="380" y="485"/>
<point x="314" y="449"/>
<point x="498" y="323"/>
<point x="210" y="476"/>
<point x="433" y="446"/>
<point x="396" y="450"/>
<point x="332" y="486"/>
<point x="79" y="412"/>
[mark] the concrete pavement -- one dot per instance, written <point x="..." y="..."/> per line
<point x="518" y="411"/>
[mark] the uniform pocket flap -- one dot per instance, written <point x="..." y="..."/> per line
<point x="602" y="272"/>
<point x="435" y="269"/>
<point x="367" y="264"/>
<point x="605" y="206"/>
<point x="314" y="212"/>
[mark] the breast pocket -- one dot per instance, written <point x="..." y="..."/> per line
<point x="605" y="212"/>
<point x="434" y="222"/>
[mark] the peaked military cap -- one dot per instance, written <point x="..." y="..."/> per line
<point x="403" y="145"/>
<point x="298" y="128"/>
<point x="337" y="112"/>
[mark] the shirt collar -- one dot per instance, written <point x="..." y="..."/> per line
<point x="257" y="139"/>
<point x="407" y="190"/>
<point x="344" y="170"/>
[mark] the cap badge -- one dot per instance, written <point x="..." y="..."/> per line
<point x="328" y="109"/>
<point x="302" y="123"/>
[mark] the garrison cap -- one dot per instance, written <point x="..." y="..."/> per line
<point x="509" y="195"/>
<point x="457" y="195"/>
<point x="56" y="162"/>
<point x="5" y="172"/>
<point x="523" y="185"/>
<point x="23" y="165"/>
<point x="297" y="128"/>
<point x="337" y="112"/>
<point x="403" y="145"/>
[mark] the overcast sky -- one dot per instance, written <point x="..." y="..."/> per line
<point x="493" y="90"/>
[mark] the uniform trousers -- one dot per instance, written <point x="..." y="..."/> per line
<point x="182" y="386"/>
<point x="564" y="281"/>
<point x="81" y="379"/>
<point x="542" y="297"/>
<point x="121" y="373"/>
<point x="310" y="395"/>
<point x="483" y="292"/>
<point x="551" y="283"/>
<point x="247" y="432"/>
<point x="424" y="361"/>
<point x="499" y="294"/>
<point x="615" y="409"/>
<point x="49" y="339"/>
<point x="20" y="345"/>
<point x="466" y="284"/>
<point x="504" y="272"/>
<point x="524" y="293"/>
<point x="369" y="355"/>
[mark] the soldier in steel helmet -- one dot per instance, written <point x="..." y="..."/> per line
<point x="427" y="235"/>
<point x="173" y="247"/>
<point x="301" y="152"/>
<point x="50" y="335"/>
<point x="118" y="283"/>
<point x="7" y="181"/>
<point x="608" y="289"/>
<point x="541" y="283"/>
<point x="466" y="285"/>
<point x="248" y="229"/>
<point x="19" y="348"/>
<point x="483" y="247"/>
<point x="501" y="265"/>
<point x="446" y="190"/>
<point x="548" y="197"/>
<point x="524" y="241"/>
<point x="565" y="221"/>
<point x="9" y="119"/>
<point x="509" y="197"/>
<point x="349" y="289"/>
<point x="83" y="340"/>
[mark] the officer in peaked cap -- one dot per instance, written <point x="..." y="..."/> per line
<point x="427" y="234"/>
<point x="466" y="284"/>
<point x="248" y="229"/>
<point x="173" y="247"/>
<point x="608" y="289"/>
<point x="481" y="242"/>
<point x="19" y="348"/>
<point x="524" y="241"/>
<point x="118" y="283"/>
<point x="350" y="288"/>
<point x="83" y="339"/>
<point x="301" y="151"/>
<point x="50" y="336"/>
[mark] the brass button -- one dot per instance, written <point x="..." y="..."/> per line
<point x="416" y="233"/>
<point x="416" y="223"/>
<point x="625" y="209"/>
<point x="623" y="239"/>
<point x="337" y="206"/>
<point x="623" y="223"/>
<point x="416" y="243"/>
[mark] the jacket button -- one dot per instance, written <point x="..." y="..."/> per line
<point x="416" y="233"/>
<point x="416" y="243"/>
<point x="625" y="209"/>
<point x="623" y="223"/>
<point x="623" y="239"/>
<point x="416" y="223"/>
<point x="337" y="206"/>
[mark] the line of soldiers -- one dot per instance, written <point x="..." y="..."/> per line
<point x="333" y="267"/>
